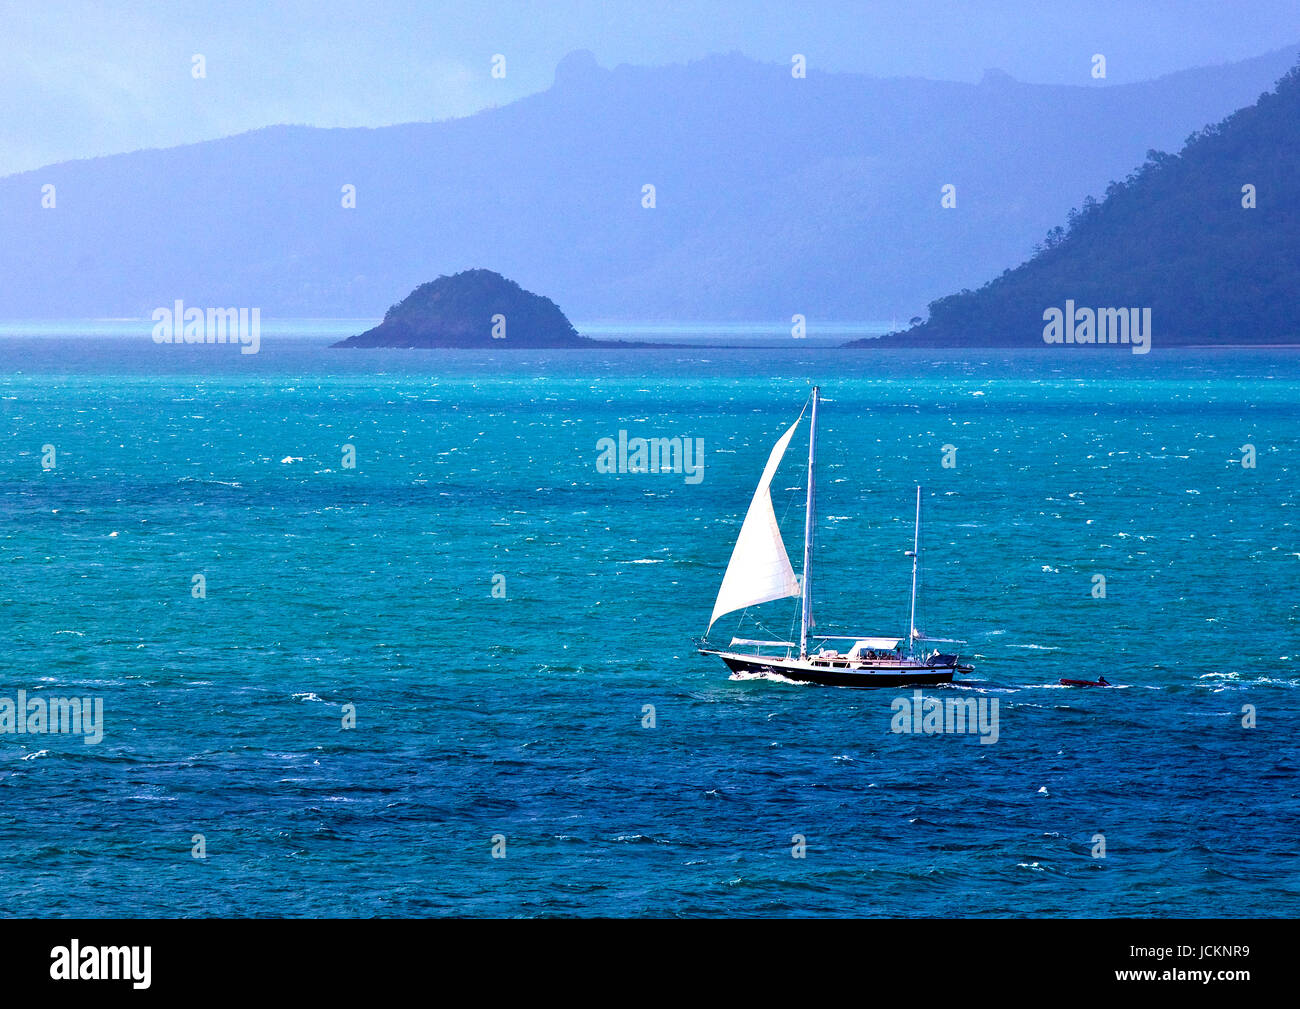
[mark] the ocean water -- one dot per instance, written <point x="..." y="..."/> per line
<point x="522" y="717"/>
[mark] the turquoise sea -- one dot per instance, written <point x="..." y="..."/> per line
<point x="521" y="717"/>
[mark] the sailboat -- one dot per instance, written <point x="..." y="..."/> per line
<point x="760" y="572"/>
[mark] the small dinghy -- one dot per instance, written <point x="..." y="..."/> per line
<point x="1100" y="681"/>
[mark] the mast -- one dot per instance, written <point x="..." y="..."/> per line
<point x="915" y="554"/>
<point x="805" y="606"/>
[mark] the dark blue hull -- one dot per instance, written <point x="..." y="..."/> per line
<point x="831" y="676"/>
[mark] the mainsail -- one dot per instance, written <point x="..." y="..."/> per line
<point x="760" y="569"/>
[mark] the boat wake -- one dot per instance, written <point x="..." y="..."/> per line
<point x="774" y="677"/>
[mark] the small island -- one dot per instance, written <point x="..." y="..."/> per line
<point x="472" y="309"/>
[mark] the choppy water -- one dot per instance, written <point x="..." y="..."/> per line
<point x="478" y="716"/>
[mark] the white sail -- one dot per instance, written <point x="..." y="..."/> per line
<point x="760" y="569"/>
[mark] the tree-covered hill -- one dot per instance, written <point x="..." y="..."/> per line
<point x="1208" y="239"/>
<point x="474" y="308"/>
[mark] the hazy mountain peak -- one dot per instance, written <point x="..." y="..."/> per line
<point x="579" y="65"/>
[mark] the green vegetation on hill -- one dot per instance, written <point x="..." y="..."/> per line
<point x="1177" y="236"/>
<point x="475" y="308"/>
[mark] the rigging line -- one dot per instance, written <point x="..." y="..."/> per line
<point x="920" y="576"/>
<point x="764" y="628"/>
<point x="790" y="498"/>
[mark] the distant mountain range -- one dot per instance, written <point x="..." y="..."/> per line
<point x="774" y="196"/>
<point x="1201" y="247"/>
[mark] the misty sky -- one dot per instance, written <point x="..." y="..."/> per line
<point x="84" y="79"/>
